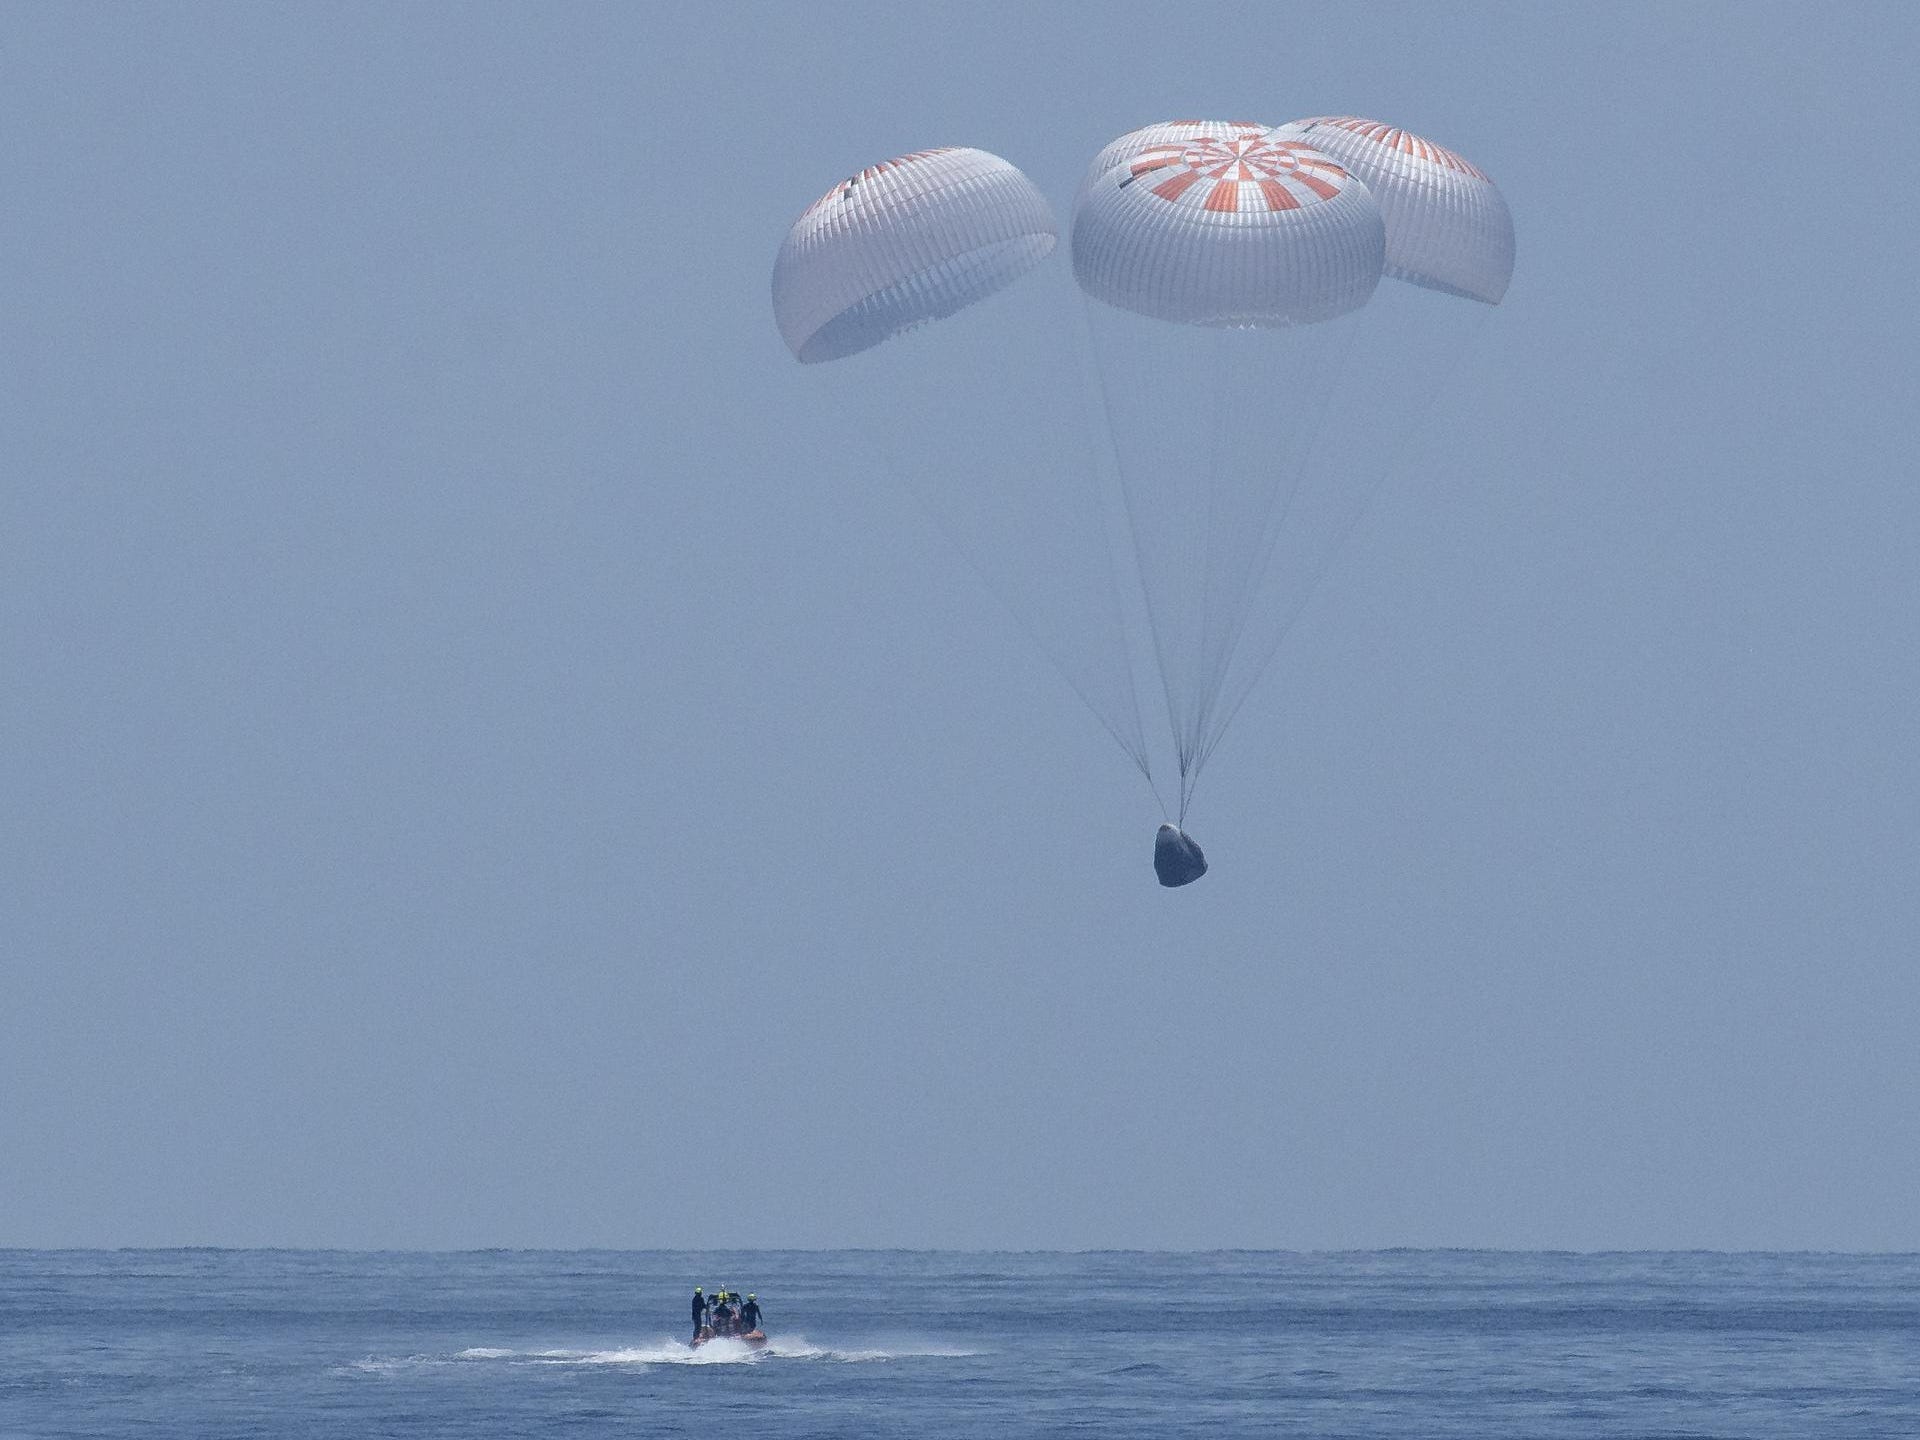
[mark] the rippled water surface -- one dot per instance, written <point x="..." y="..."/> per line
<point x="879" y="1343"/>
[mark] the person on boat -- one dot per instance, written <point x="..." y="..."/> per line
<point x="723" y="1316"/>
<point x="699" y="1312"/>
<point x="750" y="1315"/>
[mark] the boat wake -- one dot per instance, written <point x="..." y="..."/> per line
<point x="721" y="1351"/>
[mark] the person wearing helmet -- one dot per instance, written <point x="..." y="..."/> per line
<point x="750" y="1315"/>
<point x="699" y="1312"/>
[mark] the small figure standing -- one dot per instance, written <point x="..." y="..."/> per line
<point x="699" y="1312"/>
<point x="750" y="1315"/>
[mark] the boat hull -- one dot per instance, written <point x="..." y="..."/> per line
<point x="753" y="1339"/>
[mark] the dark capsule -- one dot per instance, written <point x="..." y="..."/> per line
<point x="1176" y="858"/>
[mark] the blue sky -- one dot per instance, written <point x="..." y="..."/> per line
<point x="487" y="765"/>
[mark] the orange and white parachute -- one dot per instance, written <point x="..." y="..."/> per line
<point x="909" y="240"/>
<point x="1216" y="223"/>
<point x="1447" y="224"/>
<point x="1217" y="253"/>
<point x="1167" y="132"/>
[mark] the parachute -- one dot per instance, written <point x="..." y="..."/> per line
<point x="1255" y="380"/>
<point x="1221" y="226"/>
<point x="1218" y="257"/>
<point x="1447" y="224"/>
<point x="904" y="242"/>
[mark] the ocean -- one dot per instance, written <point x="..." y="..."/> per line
<point x="1409" y="1344"/>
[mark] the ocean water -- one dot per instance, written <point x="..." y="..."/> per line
<point x="1414" y="1344"/>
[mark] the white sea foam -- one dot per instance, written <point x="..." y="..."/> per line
<point x="660" y="1352"/>
<point x="378" y="1365"/>
<point x="722" y="1351"/>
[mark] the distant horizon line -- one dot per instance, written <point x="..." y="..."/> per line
<point x="8" y="1249"/>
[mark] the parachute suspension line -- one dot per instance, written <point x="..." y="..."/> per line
<point x="1096" y="493"/>
<point x="1208" y="567"/>
<point x="1227" y="567"/>
<point x="1188" y="780"/>
<point x="1197" y="567"/>
<point x="1203" y="565"/>
<point x="1153" y="785"/>
<point x="1412" y="422"/>
<point x="1135" y="748"/>
<point x="1134" y="533"/>
<point x="1233" y="574"/>
<point x="1273" y="523"/>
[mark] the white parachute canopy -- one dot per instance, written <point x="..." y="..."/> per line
<point x="1223" y="259"/>
<point x="1447" y="223"/>
<point x="909" y="240"/>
